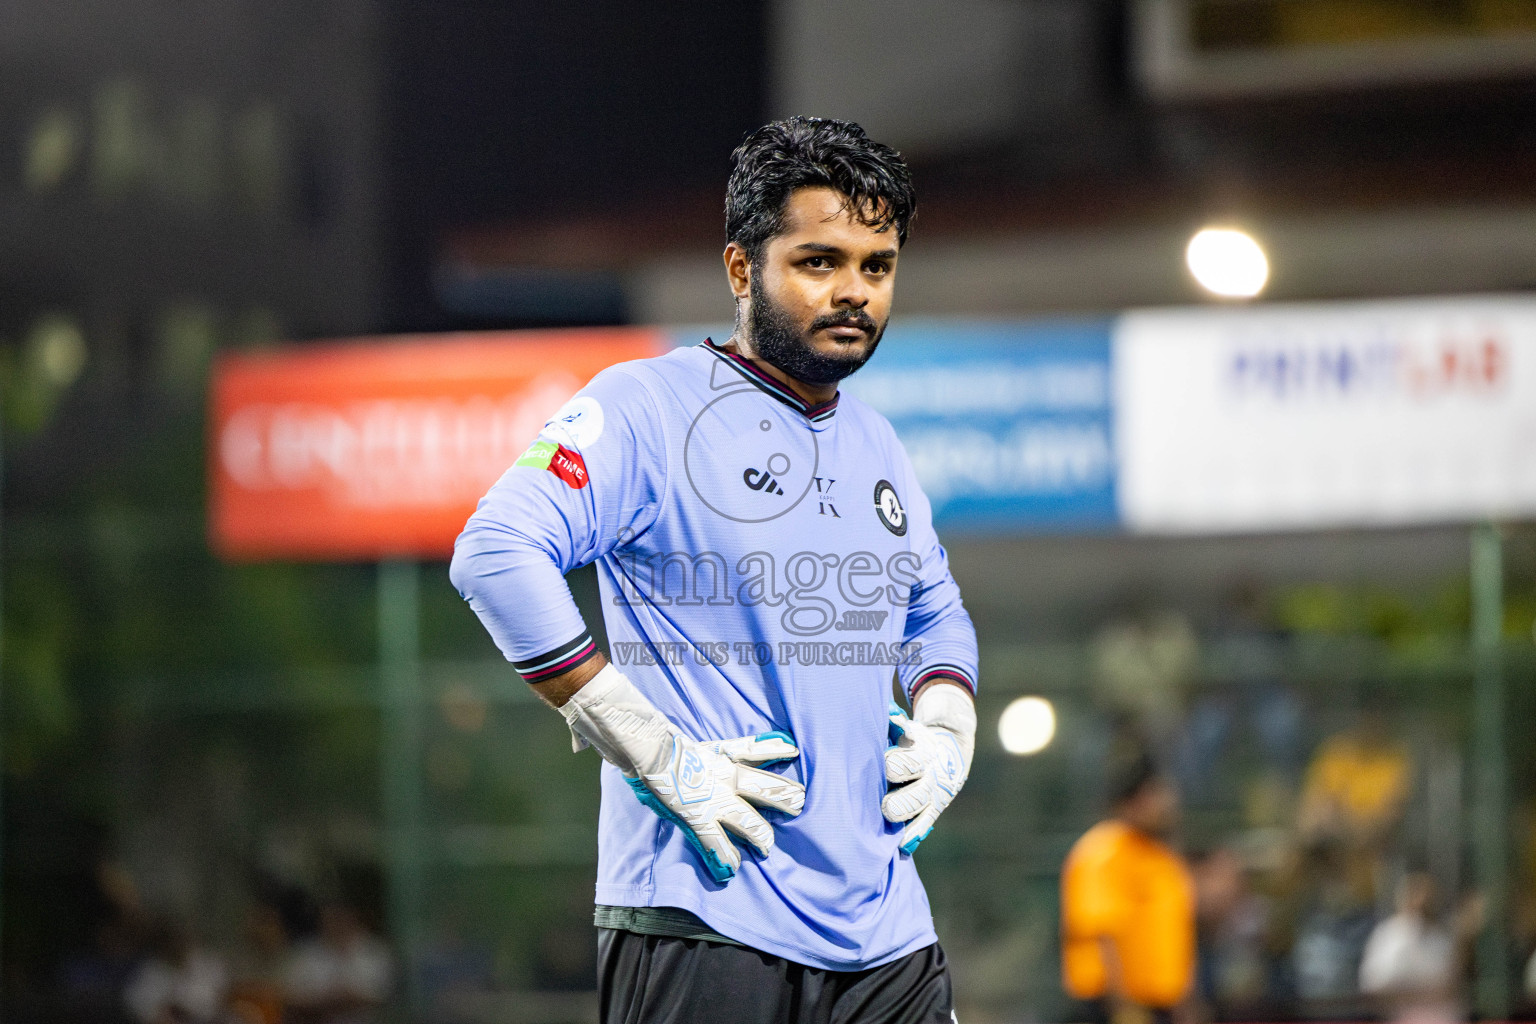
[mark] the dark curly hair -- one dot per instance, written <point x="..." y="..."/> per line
<point x="803" y="152"/>
<point x="1129" y="775"/>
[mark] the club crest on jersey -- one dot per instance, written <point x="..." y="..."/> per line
<point x="888" y="508"/>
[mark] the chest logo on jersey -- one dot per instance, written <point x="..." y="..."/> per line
<point x="745" y="462"/>
<point x="761" y="480"/>
<point x="888" y="508"/>
<point x="824" y="497"/>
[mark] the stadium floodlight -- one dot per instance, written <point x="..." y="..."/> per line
<point x="1227" y="262"/>
<point x="1027" y="725"/>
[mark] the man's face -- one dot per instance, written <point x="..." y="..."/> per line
<point x="821" y="290"/>
<point x="1155" y="809"/>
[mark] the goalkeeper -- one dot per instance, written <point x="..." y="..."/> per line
<point x="767" y="563"/>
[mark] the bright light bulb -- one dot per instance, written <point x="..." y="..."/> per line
<point x="1027" y="725"/>
<point x="1227" y="262"/>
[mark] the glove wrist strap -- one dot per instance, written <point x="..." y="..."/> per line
<point x="942" y="706"/>
<point x="615" y="718"/>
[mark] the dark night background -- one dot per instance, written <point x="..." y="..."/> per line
<point x="178" y="180"/>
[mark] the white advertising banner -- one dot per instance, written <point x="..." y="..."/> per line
<point x="1307" y="416"/>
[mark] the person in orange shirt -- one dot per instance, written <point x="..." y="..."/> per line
<point x="1357" y="783"/>
<point x="1128" y="907"/>
<point x="1353" y="798"/>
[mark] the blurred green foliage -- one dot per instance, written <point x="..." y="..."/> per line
<point x="1402" y="618"/>
<point x="150" y="688"/>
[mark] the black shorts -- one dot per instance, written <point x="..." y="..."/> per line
<point x="655" y="979"/>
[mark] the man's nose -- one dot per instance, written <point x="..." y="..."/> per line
<point x="850" y="291"/>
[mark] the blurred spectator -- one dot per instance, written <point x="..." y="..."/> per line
<point x="1257" y="703"/>
<point x="1352" y="803"/>
<point x="1413" y="962"/>
<point x="1232" y="926"/>
<point x="1524" y="903"/>
<point x="1357" y="783"/>
<point x="1334" y="919"/>
<point x="343" y="975"/>
<point x="257" y="994"/>
<point x="94" y="979"/>
<point x="1128" y="906"/>
<point x="180" y="983"/>
<point x="1143" y="663"/>
<point x="1277" y="876"/>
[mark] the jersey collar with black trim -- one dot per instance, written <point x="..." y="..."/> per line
<point x="815" y="413"/>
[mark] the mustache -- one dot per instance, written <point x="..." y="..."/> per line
<point x="849" y="318"/>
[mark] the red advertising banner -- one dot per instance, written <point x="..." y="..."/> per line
<point x="380" y="447"/>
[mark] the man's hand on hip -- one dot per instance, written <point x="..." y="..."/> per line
<point x="709" y="789"/>
<point x="706" y="788"/>
<point x="931" y="758"/>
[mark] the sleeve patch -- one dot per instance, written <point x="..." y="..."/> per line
<point x="578" y="423"/>
<point x="565" y="463"/>
<point x="569" y="466"/>
<point x="538" y="455"/>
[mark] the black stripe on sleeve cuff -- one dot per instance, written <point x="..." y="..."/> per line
<point x="561" y="659"/>
<point x="952" y="672"/>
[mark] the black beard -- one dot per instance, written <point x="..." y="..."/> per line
<point x="777" y="339"/>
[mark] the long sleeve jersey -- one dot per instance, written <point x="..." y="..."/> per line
<point x="764" y="565"/>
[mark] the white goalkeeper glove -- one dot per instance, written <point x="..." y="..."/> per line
<point x="931" y="755"/>
<point x="706" y="788"/>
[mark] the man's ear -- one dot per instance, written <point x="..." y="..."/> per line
<point x="738" y="270"/>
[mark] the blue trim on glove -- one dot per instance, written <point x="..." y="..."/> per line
<point x="910" y="846"/>
<point x="718" y="869"/>
<point x="776" y="734"/>
<point x="897" y="732"/>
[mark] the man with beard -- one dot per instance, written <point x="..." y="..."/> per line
<point x="767" y="563"/>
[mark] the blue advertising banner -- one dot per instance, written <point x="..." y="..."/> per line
<point x="1216" y="419"/>
<point x="1009" y="425"/>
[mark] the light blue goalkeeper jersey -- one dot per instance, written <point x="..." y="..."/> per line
<point x="764" y="565"/>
